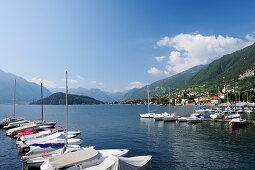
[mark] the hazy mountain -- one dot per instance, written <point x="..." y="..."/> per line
<point x="238" y="67"/>
<point x="161" y="87"/>
<point x="94" y="93"/>
<point x="25" y="91"/>
<point x="60" y="99"/>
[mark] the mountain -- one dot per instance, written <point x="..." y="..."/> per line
<point x="161" y="87"/>
<point x="238" y="67"/>
<point x="25" y="91"/>
<point x="94" y="93"/>
<point x="60" y="99"/>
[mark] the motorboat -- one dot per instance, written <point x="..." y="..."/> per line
<point x="232" y="116"/>
<point x="160" y="117"/>
<point x="196" y="114"/>
<point x="238" y="122"/>
<point x="194" y="119"/>
<point x="217" y="115"/>
<point x="183" y="119"/>
<point x="229" y="110"/>
<point x="170" y="118"/>
<point x="121" y="163"/>
<point x="82" y="158"/>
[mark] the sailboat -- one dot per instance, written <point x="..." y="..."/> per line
<point x="246" y="109"/>
<point x="149" y="114"/>
<point x="82" y="158"/>
<point x="13" y="118"/>
<point x="169" y="117"/>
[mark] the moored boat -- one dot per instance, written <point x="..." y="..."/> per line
<point x="238" y="122"/>
<point x="194" y="119"/>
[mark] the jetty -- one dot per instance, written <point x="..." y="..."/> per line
<point x="225" y="120"/>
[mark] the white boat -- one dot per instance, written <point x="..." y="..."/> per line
<point x="14" y="131"/>
<point x="232" y="116"/>
<point x="182" y="119"/>
<point x="123" y="163"/>
<point x="196" y="114"/>
<point x="160" y="117"/>
<point x="204" y="111"/>
<point x="35" y="159"/>
<point x="238" y="122"/>
<point x="247" y="110"/>
<point x="169" y="118"/>
<point x="82" y="158"/>
<point x="15" y="124"/>
<point x="194" y="119"/>
<point x="217" y="115"/>
<point x="149" y="114"/>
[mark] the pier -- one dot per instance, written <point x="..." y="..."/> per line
<point x="225" y="120"/>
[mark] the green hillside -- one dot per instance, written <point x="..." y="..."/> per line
<point x="161" y="87"/>
<point x="237" y="67"/>
<point x="60" y="99"/>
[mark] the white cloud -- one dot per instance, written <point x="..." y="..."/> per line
<point x="46" y="83"/>
<point x="154" y="71"/>
<point x="79" y="77"/>
<point x="135" y="84"/>
<point x="96" y="83"/>
<point x="195" y="49"/>
<point x="160" y="58"/>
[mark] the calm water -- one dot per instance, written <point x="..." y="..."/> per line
<point x="173" y="145"/>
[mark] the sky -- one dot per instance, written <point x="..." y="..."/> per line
<point x="118" y="45"/>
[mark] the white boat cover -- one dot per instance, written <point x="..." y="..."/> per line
<point x="122" y="163"/>
<point x="20" y="129"/>
<point x="45" y="138"/>
<point x="70" y="159"/>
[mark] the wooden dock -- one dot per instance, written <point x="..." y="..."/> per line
<point x="225" y="120"/>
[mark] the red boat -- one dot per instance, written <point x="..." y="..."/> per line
<point x="28" y="132"/>
<point x="238" y="122"/>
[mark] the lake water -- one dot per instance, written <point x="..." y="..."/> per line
<point x="212" y="145"/>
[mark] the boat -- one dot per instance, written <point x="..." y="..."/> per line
<point x="160" y="117"/>
<point x="122" y="163"/>
<point x="12" y="117"/>
<point x="236" y="122"/>
<point x="204" y="111"/>
<point x="217" y="115"/>
<point x="247" y="110"/>
<point x="170" y="118"/>
<point x="232" y="116"/>
<point x="15" y="131"/>
<point x="149" y="114"/>
<point x="194" y="119"/>
<point x="35" y="160"/>
<point x="196" y="114"/>
<point x="182" y="119"/>
<point x="82" y="158"/>
<point x="15" y="124"/>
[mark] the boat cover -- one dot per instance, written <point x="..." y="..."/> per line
<point x="122" y="163"/>
<point x="69" y="159"/>
<point x="45" y="138"/>
<point x="20" y="129"/>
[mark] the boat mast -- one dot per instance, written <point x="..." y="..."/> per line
<point x="235" y="95"/>
<point x="42" y="99"/>
<point x="169" y="100"/>
<point x="247" y="99"/>
<point x="14" y="98"/>
<point x="148" y="99"/>
<point x="64" y="149"/>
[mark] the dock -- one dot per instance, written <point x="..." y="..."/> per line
<point x="225" y="120"/>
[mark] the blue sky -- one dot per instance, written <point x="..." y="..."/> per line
<point x="112" y="44"/>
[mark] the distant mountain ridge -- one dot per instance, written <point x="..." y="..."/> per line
<point x="94" y="93"/>
<point x="161" y="87"/>
<point x="60" y="99"/>
<point x="25" y="91"/>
